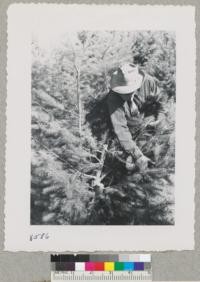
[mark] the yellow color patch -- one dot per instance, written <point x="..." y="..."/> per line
<point x="108" y="266"/>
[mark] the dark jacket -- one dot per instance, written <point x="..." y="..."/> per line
<point x="120" y="110"/>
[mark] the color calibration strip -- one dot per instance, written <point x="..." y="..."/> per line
<point x="101" y="267"/>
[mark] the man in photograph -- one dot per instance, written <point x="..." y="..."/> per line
<point x="130" y="90"/>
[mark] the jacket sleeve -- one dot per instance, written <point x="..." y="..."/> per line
<point x="119" y="122"/>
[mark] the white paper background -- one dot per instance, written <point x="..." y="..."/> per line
<point x="25" y="19"/>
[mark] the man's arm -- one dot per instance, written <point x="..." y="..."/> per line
<point x="119" y="122"/>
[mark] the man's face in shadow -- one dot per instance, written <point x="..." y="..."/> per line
<point x="126" y="97"/>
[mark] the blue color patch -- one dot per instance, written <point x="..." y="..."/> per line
<point x="129" y="266"/>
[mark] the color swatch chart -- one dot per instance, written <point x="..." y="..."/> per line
<point x="101" y="267"/>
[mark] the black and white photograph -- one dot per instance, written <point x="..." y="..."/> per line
<point x="103" y="128"/>
<point x="100" y="128"/>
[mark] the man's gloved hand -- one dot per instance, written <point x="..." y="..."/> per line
<point x="142" y="163"/>
<point x="153" y="124"/>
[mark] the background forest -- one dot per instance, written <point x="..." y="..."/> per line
<point x="78" y="173"/>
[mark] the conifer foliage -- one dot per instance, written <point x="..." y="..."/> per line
<point x="78" y="169"/>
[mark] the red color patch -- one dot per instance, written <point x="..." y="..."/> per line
<point x="99" y="266"/>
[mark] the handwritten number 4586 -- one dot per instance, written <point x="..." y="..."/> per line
<point x="39" y="236"/>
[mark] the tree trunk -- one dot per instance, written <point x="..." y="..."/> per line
<point x="78" y="100"/>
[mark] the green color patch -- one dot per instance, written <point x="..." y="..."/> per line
<point x="119" y="266"/>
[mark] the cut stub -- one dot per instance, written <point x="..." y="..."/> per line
<point x="130" y="165"/>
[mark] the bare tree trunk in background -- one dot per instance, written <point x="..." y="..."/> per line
<point x="78" y="99"/>
<point x="105" y="73"/>
<point x="77" y="70"/>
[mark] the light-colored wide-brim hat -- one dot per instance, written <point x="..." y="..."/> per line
<point x="126" y="79"/>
